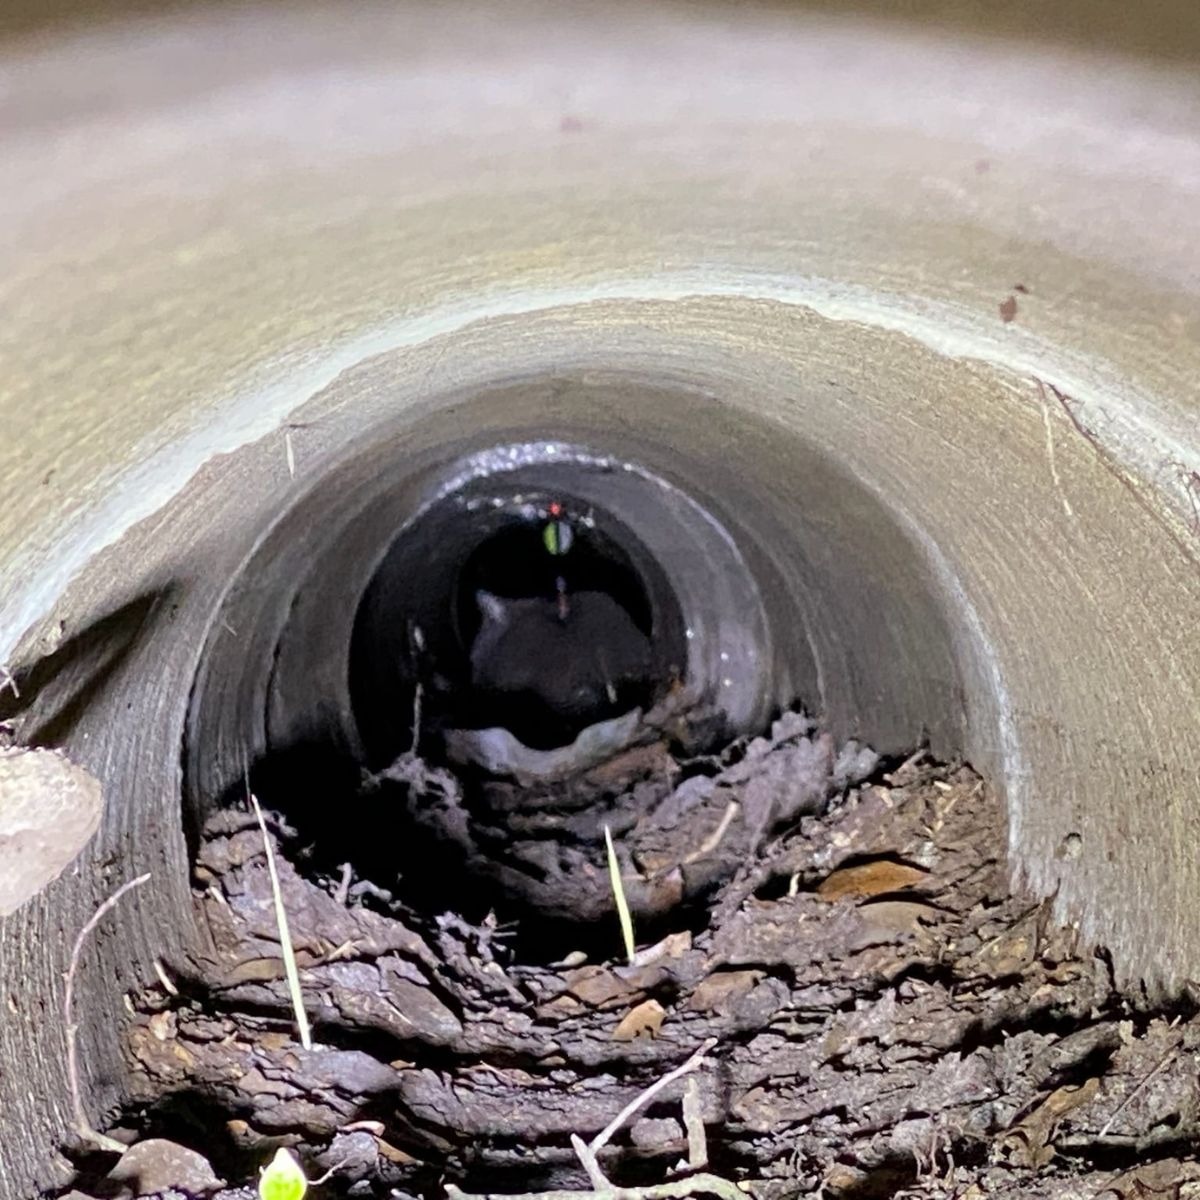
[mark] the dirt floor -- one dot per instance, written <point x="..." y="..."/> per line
<point x="827" y="945"/>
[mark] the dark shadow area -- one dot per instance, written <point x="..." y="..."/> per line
<point x="404" y="867"/>
<point x="56" y="690"/>
<point x="189" y="1117"/>
<point x="519" y="608"/>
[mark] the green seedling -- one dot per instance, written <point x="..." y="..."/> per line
<point x="282" y="1178"/>
<point x="618" y="888"/>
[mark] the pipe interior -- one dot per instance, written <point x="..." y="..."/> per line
<point x="272" y="336"/>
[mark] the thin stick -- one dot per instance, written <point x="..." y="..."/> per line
<point x="285" y="937"/>
<point x="635" y="1106"/>
<point x="693" y="1122"/>
<point x="418" y="695"/>
<point x="677" y="1189"/>
<point x="165" y="979"/>
<point x="604" y="1189"/>
<point x="1141" y="1087"/>
<point x="618" y="889"/>
<point x="82" y="1125"/>
<point x="713" y="840"/>
<point x="324" y="1179"/>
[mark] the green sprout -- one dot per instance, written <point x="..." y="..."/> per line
<point x="282" y="1178"/>
<point x="618" y="888"/>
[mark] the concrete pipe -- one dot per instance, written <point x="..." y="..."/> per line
<point x="875" y="336"/>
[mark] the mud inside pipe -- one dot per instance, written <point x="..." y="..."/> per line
<point x="867" y="344"/>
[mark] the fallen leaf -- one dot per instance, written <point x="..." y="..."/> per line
<point x="598" y="986"/>
<point x="1162" y="1178"/>
<point x="162" y="1025"/>
<point x="899" y="916"/>
<point x="559" y="1008"/>
<point x="1008" y="309"/>
<point x="1028" y="1143"/>
<point x="643" y="1021"/>
<point x="719" y="991"/>
<point x="869" y="879"/>
<point x="394" y="1154"/>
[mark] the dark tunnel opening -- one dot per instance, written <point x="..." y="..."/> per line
<point x="511" y="607"/>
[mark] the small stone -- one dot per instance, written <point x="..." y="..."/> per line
<point x="651" y="1133"/>
<point x="49" y="809"/>
<point x="157" y="1165"/>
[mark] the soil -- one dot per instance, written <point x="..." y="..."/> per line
<point x="881" y="1014"/>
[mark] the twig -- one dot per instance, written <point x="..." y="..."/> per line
<point x="82" y="1125"/>
<point x="591" y="1164"/>
<point x="285" y="937"/>
<point x="713" y="840"/>
<point x="638" y="1103"/>
<point x="602" y="1189"/>
<point x="165" y="979"/>
<point x="9" y="680"/>
<point x="1141" y="1087"/>
<point x="418" y="696"/>
<point x="618" y="889"/>
<point x="693" y="1122"/>
<point x="324" y="1179"/>
<point x="911" y="761"/>
<point x="677" y="1189"/>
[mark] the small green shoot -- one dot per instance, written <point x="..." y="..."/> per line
<point x="282" y="1178"/>
<point x="614" y="875"/>
<point x="285" y="939"/>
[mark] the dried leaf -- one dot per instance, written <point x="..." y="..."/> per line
<point x="870" y="879"/>
<point x="643" y="1021"/>
<point x="394" y="1154"/>
<point x="1028" y="1142"/>
<point x="898" y="916"/>
<point x="597" y="986"/>
<point x="721" y="990"/>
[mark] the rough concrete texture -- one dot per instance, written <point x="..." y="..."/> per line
<point x="839" y="252"/>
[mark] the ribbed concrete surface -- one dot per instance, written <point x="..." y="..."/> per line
<point x="801" y="226"/>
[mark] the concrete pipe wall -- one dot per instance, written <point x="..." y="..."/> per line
<point x="900" y="312"/>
